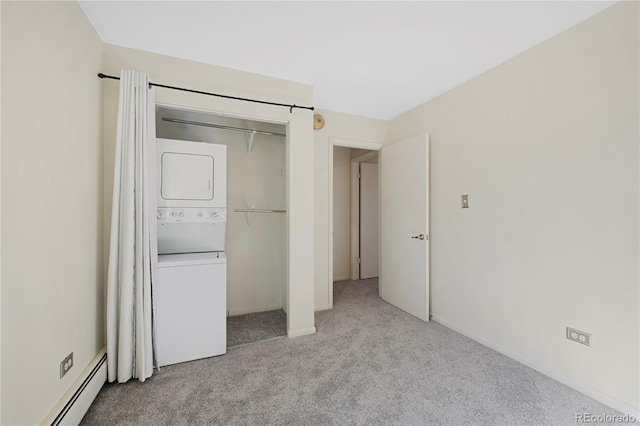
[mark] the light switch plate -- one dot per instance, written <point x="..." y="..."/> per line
<point x="465" y="201"/>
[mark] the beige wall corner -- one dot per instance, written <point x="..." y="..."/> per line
<point x="52" y="286"/>
<point x="546" y="146"/>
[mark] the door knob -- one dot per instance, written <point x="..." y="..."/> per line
<point x="419" y="237"/>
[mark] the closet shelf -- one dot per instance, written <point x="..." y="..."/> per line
<point x="258" y="211"/>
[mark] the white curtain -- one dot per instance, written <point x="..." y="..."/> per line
<point x="129" y="341"/>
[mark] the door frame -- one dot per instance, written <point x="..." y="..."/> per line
<point x="355" y="211"/>
<point x="346" y="143"/>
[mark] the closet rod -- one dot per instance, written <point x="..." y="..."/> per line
<point x="200" y="92"/>
<point x="219" y="126"/>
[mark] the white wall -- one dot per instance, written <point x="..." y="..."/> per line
<point x="337" y="125"/>
<point x="255" y="248"/>
<point x="52" y="241"/>
<point x="546" y="146"/>
<point x="341" y="213"/>
<point x="299" y="155"/>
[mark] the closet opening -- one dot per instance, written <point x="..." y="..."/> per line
<point x="256" y="227"/>
<point x="354" y="233"/>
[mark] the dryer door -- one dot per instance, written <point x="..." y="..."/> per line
<point x="186" y="176"/>
<point x="191" y="174"/>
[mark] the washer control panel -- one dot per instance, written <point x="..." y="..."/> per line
<point x="176" y="214"/>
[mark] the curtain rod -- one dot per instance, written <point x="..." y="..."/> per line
<point x="182" y="89"/>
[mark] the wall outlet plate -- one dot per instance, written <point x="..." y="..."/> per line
<point x="66" y="365"/>
<point x="465" y="201"/>
<point x="579" y="336"/>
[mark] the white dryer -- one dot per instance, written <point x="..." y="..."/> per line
<point x="192" y="196"/>
<point x="191" y="174"/>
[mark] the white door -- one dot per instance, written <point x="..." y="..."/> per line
<point x="369" y="223"/>
<point x="404" y="230"/>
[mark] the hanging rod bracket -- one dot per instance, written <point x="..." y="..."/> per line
<point x="250" y="137"/>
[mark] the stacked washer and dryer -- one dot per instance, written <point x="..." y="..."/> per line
<point x="190" y="282"/>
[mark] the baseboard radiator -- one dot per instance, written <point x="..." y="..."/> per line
<point x="74" y="405"/>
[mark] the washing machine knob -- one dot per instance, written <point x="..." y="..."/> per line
<point x="200" y="213"/>
<point x="174" y="213"/>
<point x="160" y="214"/>
<point x="215" y="214"/>
<point x="180" y="213"/>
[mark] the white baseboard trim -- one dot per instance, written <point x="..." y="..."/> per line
<point x="322" y="308"/>
<point x="599" y="396"/>
<point x="301" y="332"/>
<point x="241" y="311"/>
<point x="74" y="404"/>
<point x="342" y="278"/>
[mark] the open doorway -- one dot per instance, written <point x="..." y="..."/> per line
<point x="354" y="211"/>
<point x="403" y="221"/>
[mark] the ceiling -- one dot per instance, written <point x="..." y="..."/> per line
<point x="375" y="59"/>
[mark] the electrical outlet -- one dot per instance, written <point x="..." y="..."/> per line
<point x="66" y="365"/>
<point x="579" y="336"/>
<point x="465" y="201"/>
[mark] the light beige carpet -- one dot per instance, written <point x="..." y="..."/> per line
<point x="369" y="364"/>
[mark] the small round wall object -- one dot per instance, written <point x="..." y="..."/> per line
<point x="318" y="121"/>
